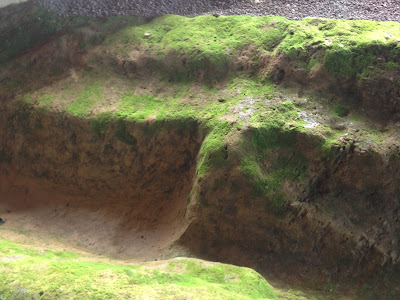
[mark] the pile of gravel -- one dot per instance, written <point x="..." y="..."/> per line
<point x="380" y="10"/>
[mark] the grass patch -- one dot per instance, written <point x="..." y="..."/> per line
<point x="251" y="87"/>
<point x="85" y="101"/>
<point x="139" y="107"/>
<point x="27" y="272"/>
<point x="46" y="100"/>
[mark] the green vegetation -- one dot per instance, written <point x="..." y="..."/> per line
<point x="86" y="99"/>
<point x="46" y="99"/>
<point x="346" y="48"/>
<point x="272" y="127"/>
<point x="123" y="134"/>
<point x="251" y="87"/>
<point x="211" y="151"/>
<point x="267" y="171"/>
<point x="207" y="43"/>
<point x="349" y="47"/>
<point x="268" y="180"/>
<point x="199" y="86"/>
<point x="38" y="25"/>
<point x="28" y="272"/>
<point x="138" y="107"/>
<point x="275" y="127"/>
<point x="340" y="110"/>
<point x="100" y="123"/>
<point x="390" y="65"/>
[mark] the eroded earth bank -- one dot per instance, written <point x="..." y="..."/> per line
<point x="256" y="141"/>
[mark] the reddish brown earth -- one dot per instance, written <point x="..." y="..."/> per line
<point x="104" y="195"/>
<point x="129" y="201"/>
<point x="143" y="200"/>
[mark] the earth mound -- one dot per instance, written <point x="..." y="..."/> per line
<point x="257" y="141"/>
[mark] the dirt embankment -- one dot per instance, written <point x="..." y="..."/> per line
<point x="135" y="189"/>
<point x="118" y="197"/>
<point x="340" y="225"/>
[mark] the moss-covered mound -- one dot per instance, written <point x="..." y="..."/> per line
<point x="258" y="141"/>
<point x="33" y="272"/>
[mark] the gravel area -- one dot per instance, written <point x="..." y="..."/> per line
<point x="381" y="10"/>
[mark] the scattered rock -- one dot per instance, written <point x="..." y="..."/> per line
<point x="344" y="9"/>
<point x="302" y="101"/>
<point x="337" y="123"/>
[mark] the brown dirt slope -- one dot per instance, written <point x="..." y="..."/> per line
<point x="135" y="190"/>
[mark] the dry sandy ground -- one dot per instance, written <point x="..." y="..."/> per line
<point x="59" y="215"/>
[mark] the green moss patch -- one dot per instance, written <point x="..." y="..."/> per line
<point x="101" y="123"/>
<point x="270" y="156"/>
<point x="27" y="272"/>
<point x="46" y="100"/>
<point x="85" y="101"/>
<point x="270" y="161"/>
<point x="213" y="151"/>
<point x="202" y="43"/>
<point x="347" y="48"/>
<point x="138" y="107"/>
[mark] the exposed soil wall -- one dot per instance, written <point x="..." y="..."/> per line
<point x="140" y="198"/>
<point x="140" y="184"/>
<point x="234" y="175"/>
<point x="341" y="224"/>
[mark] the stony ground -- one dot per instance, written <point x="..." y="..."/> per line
<point x="380" y="10"/>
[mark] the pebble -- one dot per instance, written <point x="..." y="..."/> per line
<point x="379" y="10"/>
